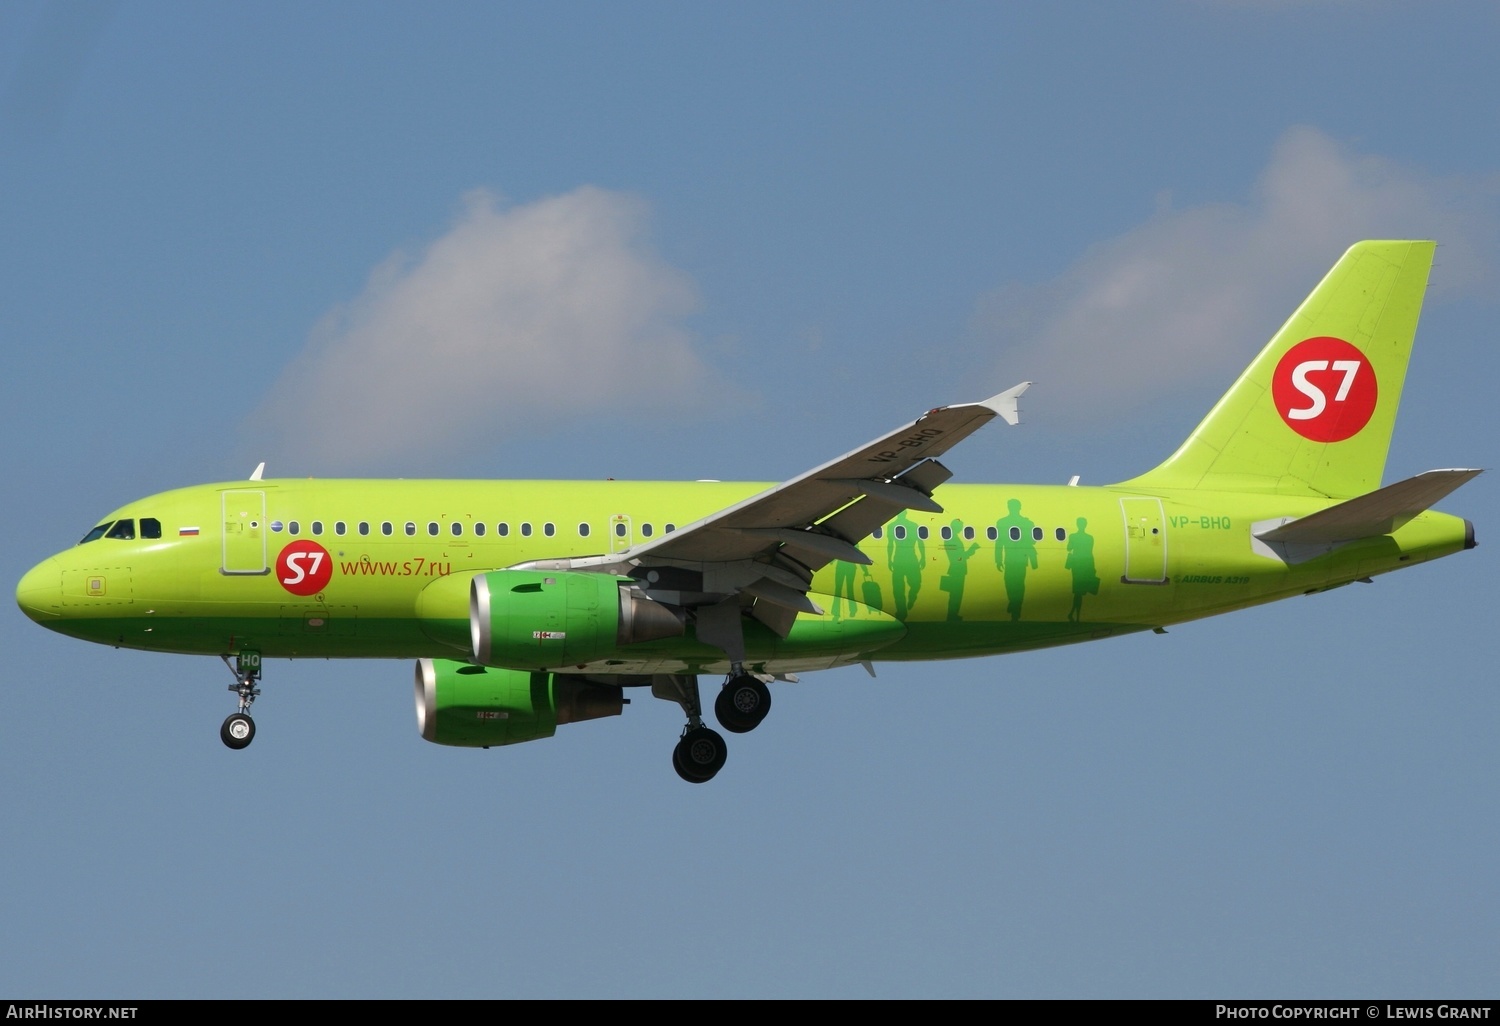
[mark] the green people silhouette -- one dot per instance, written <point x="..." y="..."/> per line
<point x="958" y="567"/>
<point x="906" y="554"/>
<point x="843" y="586"/>
<point x="845" y="576"/>
<point x="1015" y="553"/>
<point x="1081" y="562"/>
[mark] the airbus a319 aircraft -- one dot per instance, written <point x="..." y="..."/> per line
<point x="530" y="604"/>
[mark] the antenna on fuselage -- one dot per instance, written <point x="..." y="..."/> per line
<point x="260" y="468"/>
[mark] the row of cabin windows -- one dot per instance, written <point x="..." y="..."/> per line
<point x="993" y="534"/>
<point x="150" y="527"/>
<point x="455" y="528"/>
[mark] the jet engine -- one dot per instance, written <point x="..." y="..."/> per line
<point x="553" y="619"/>
<point x="483" y="707"/>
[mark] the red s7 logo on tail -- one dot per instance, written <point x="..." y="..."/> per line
<point x="304" y="568"/>
<point x="1325" y="389"/>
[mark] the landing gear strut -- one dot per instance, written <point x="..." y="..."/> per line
<point x="239" y="729"/>
<point x="701" y="751"/>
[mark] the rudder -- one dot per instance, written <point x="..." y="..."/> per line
<point x="1314" y="412"/>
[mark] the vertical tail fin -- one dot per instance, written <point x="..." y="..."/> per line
<point x="1313" y="413"/>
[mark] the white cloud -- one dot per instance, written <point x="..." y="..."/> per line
<point x="515" y="316"/>
<point x="1192" y="294"/>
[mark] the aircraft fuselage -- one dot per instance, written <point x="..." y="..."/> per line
<point x="366" y="568"/>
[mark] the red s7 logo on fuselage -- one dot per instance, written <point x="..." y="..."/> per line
<point x="304" y="568"/>
<point x="1325" y="389"/>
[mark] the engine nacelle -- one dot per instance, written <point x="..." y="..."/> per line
<point x="553" y="619"/>
<point x="484" y="707"/>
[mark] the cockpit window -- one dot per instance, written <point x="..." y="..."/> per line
<point x="97" y="532"/>
<point x="150" y="527"/>
<point x="123" y="530"/>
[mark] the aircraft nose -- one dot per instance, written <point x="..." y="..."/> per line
<point x="39" y="593"/>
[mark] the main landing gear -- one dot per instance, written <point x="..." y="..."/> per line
<point x="239" y="729"/>
<point x="741" y="704"/>
<point x="699" y="754"/>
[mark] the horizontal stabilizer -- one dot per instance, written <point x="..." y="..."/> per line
<point x="1375" y="513"/>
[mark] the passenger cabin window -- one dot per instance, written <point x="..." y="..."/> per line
<point x="432" y="528"/>
<point x="525" y="530"/>
<point x="457" y="528"/>
<point x="670" y="528"/>
<point x="364" y="527"/>
<point x="583" y="530"/>
<point x="292" y="527"/>
<point x="620" y="529"/>
<point x="123" y="530"/>
<point x="645" y="530"/>
<point x="411" y="529"/>
<point x="1037" y="534"/>
<point x="386" y="528"/>
<point x="339" y="527"/>
<point x="503" y="530"/>
<point x="1061" y="534"/>
<point x="549" y="529"/>
<point x="991" y="533"/>
<point x="968" y="534"/>
<point x="479" y="529"/>
<point x="317" y="527"/>
<point x="1015" y="534"/>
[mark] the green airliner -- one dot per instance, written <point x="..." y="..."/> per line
<point x="529" y="604"/>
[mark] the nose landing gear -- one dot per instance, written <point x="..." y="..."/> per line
<point x="239" y="729"/>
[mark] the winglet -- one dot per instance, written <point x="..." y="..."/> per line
<point x="1005" y="404"/>
<point x="259" y="470"/>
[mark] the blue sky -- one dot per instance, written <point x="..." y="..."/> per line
<point x="678" y="241"/>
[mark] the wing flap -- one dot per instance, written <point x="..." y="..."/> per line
<point x="812" y="545"/>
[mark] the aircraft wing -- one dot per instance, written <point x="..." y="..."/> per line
<point x="822" y="514"/>
<point x="769" y="546"/>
